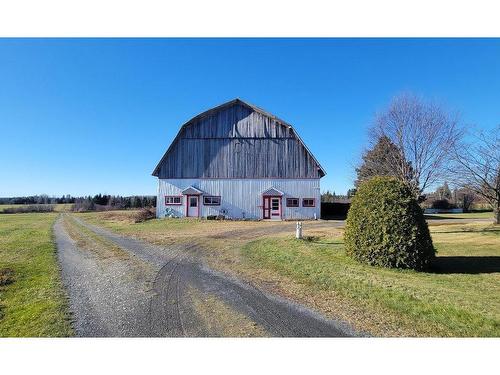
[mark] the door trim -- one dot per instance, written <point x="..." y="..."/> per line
<point x="188" y="196"/>
<point x="269" y="197"/>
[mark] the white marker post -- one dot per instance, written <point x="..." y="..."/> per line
<point x="298" y="232"/>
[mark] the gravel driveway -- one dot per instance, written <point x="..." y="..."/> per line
<point x="147" y="290"/>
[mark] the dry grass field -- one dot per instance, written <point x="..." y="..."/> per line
<point x="63" y="207"/>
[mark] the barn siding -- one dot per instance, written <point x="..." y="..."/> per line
<point x="242" y="195"/>
<point x="238" y="142"/>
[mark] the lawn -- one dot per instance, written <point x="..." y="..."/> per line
<point x="460" y="297"/>
<point x="32" y="300"/>
<point x="468" y="215"/>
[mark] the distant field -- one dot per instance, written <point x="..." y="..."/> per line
<point x="469" y="215"/>
<point x="32" y="300"/>
<point x="63" y="207"/>
<point x="459" y="297"/>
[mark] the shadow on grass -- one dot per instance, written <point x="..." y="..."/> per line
<point x="471" y="230"/>
<point x="333" y="217"/>
<point x="458" y="219"/>
<point x="437" y="217"/>
<point x="465" y="264"/>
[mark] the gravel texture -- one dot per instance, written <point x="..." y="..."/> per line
<point x="146" y="292"/>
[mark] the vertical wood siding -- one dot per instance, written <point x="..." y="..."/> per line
<point x="238" y="142"/>
<point x="242" y="197"/>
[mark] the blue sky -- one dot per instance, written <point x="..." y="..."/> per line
<point x="87" y="116"/>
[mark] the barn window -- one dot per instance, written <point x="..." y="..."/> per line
<point x="292" y="202"/>
<point x="173" y="199"/>
<point x="211" y="200"/>
<point x="308" y="202"/>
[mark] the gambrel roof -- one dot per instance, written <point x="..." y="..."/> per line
<point x="206" y="145"/>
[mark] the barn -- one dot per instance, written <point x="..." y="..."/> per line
<point x="241" y="162"/>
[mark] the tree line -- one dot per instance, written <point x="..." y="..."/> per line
<point x="106" y="202"/>
<point x="462" y="197"/>
<point x="38" y="199"/>
<point x="87" y="203"/>
<point x="332" y="197"/>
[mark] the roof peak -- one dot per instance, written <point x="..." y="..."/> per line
<point x="240" y="101"/>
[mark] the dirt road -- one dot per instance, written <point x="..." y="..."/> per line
<point x="119" y="286"/>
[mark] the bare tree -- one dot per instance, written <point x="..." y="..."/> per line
<point x="465" y="197"/>
<point x="424" y="133"/>
<point x="477" y="166"/>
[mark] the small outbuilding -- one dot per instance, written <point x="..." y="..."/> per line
<point x="240" y="162"/>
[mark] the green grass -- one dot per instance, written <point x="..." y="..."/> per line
<point x="468" y="215"/>
<point x="460" y="298"/>
<point x="34" y="304"/>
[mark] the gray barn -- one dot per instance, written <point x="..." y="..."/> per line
<point x="238" y="161"/>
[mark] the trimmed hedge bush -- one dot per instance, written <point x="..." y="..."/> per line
<point x="386" y="226"/>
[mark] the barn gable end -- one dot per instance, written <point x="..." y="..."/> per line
<point x="237" y="140"/>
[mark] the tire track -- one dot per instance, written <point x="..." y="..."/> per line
<point x="171" y="306"/>
<point x="160" y="317"/>
<point x="178" y="297"/>
<point x="178" y="268"/>
<point x="164" y="314"/>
